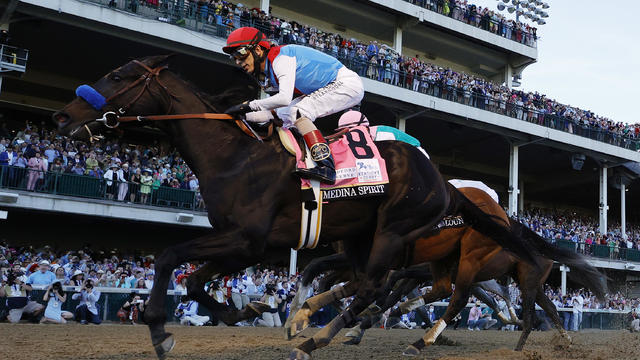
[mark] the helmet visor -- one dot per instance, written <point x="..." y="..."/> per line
<point x="240" y="53"/>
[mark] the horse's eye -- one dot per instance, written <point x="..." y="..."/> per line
<point x="115" y="78"/>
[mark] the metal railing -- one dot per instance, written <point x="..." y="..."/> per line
<point x="58" y="183"/>
<point x="13" y="59"/>
<point x="601" y="251"/>
<point x="203" y="19"/>
<point x="503" y="29"/>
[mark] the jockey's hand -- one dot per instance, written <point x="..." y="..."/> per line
<point x="239" y="110"/>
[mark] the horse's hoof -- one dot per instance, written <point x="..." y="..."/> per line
<point x="411" y="351"/>
<point x="258" y="307"/>
<point x="166" y="345"/>
<point x="354" y="341"/>
<point x="297" y="354"/>
<point x="355" y="332"/>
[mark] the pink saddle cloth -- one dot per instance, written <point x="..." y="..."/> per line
<point x="360" y="170"/>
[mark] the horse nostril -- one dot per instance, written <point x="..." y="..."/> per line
<point x="60" y="117"/>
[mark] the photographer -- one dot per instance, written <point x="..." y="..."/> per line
<point x="132" y="310"/>
<point x="187" y="312"/>
<point x="55" y="297"/>
<point x="18" y="302"/>
<point x="270" y="318"/>
<point x="87" y="310"/>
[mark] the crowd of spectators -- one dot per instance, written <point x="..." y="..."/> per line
<point x="380" y="62"/>
<point x="581" y="230"/>
<point x="90" y="272"/>
<point x="131" y="173"/>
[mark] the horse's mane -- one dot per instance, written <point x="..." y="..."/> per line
<point x="221" y="100"/>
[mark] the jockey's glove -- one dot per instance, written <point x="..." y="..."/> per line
<point x="239" y="110"/>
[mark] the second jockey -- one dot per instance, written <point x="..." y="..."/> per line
<point x="305" y="84"/>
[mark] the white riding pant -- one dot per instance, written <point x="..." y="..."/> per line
<point x="195" y="320"/>
<point x="343" y="93"/>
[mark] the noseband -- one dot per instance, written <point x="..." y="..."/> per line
<point x="112" y="119"/>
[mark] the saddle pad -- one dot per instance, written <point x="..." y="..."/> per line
<point x="360" y="170"/>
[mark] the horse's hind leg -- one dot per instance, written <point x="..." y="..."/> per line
<point x="529" y="289"/>
<point x="550" y="309"/>
<point x="229" y="250"/>
<point x="195" y="289"/>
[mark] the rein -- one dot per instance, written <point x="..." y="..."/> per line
<point x="112" y="119"/>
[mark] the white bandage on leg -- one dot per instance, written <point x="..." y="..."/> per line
<point x="305" y="125"/>
<point x="259" y="116"/>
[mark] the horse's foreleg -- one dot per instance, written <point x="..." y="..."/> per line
<point x="315" y="268"/>
<point x="502" y="291"/>
<point x="456" y="304"/>
<point x="528" y="308"/>
<point x="228" y="315"/>
<point x="441" y="289"/>
<point x="230" y="249"/>
<point x="300" y="321"/>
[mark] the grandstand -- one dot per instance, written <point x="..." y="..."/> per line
<point x="547" y="163"/>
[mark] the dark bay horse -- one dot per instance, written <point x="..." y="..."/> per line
<point x="470" y="257"/>
<point x="254" y="201"/>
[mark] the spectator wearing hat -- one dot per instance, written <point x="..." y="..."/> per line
<point x="60" y="274"/>
<point x="114" y="178"/>
<point x="77" y="279"/>
<point x="87" y="309"/>
<point x="43" y="276"/>
<point x="54" y="296"/>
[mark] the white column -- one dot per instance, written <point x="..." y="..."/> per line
<point x="623" y="210"/>
<point x="397" y="37"/>
<point x="293" y="262"/>
<point x="520" y="196"/>
<point x="563" y="279"/>
<point x="513" y="180"/>
<point x="508" y="76"/>
<point x="264" y="6"/>
<point x="401" y="124"/>
<point x="603" y="206"/>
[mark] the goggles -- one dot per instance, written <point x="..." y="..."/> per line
<point x="240" y="53"/>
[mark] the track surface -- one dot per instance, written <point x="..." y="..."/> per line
<point x="107" y="341"/>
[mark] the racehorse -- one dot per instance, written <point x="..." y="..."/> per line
<point x="475" y="258"/>
<point x="253" y="200"/>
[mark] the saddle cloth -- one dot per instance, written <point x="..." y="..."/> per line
<point x="360" y="170"/>
<point x="452" y="221"/>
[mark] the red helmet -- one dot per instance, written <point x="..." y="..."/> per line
<point x="245" y="37"/>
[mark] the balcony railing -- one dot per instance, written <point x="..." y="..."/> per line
<point x="13" y="60"/>
<point x="601" y="251"/>
<point x="201" y="18"/>
<point x="57" y="183"/>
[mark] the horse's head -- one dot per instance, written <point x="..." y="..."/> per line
<point x="134" y="88"/>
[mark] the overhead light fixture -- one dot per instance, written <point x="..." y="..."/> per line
<point x="511" y="9"/>
<point x="515" y="2"/>
<point x="501" y="6"/>
<point x="544" y="14"/>
<point x="531" y="7"/>
<point x="538" y="2"/>
<point x="545" y="5"/>
<point x="541" y="22"/>
<point x="505" y="1"/>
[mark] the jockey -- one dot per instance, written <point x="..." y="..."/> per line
<point x="379" y="133"/>
<point x="320" y="84"/>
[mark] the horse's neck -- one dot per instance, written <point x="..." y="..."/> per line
<point x="232" y="168"/>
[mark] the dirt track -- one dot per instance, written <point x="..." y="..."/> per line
<point x="72" y="341"/>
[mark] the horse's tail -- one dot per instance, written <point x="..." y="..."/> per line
<point x="581" y="272"/>
<point x="492" y="227"/>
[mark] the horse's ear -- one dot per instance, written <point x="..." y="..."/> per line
<point x="158" y="60"/>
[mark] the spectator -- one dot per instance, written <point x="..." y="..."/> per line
<point x="145" y="186"/>
<point x="77" y="279"/>
<point x="43" y="276"/>
<point x="578" y="302"/>
<point x="37" y="167"/>
<point x="18" y="303"/>
<point x="187" y="313"/>
<point x="238" y="292"/>
<point x="54" y="296"/>
<point x="270" y="318"/>
<point x="634" y="321"/>
<point x="474" y="317"/>
<point x="129" y="311"/>
<point x="87" y="310"/>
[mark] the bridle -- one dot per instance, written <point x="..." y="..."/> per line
<point x="112" y="119"/>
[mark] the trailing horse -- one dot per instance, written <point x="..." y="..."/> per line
<point x="253" y="200"/>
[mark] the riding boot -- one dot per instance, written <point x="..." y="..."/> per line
<point x="325" y="170"/>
